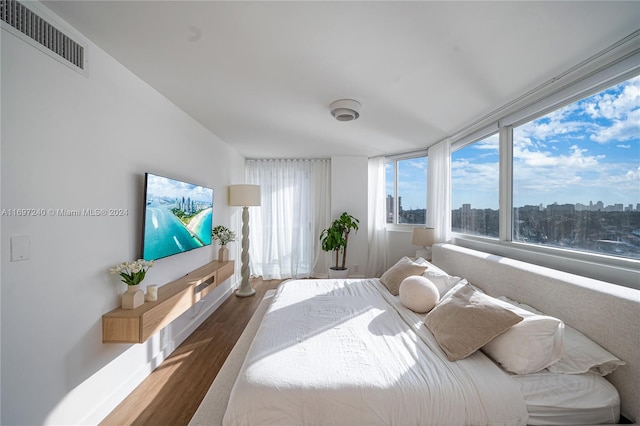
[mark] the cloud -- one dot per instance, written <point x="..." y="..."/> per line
<point x="576" y="159"/>
<point x="490" y="143"/>
<point x="481" y="177"/>
<point x="620" y="130"/>
<point x="563" y="156"/>
<point x="420" y="164"/>
<point x="615" y="103"/>
<point x="609" y="116"/>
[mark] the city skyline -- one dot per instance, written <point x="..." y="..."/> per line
<point x="592" y="206"/>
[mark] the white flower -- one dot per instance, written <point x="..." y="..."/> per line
<point x="132" y="273"/>
<point x="223" y="234"/>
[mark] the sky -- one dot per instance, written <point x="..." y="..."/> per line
<point x="586" y="151"/>
<point x="412" y="182"/>
<point x="160" y="186"/>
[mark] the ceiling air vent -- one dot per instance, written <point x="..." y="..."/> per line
<point x="31" y="25"/>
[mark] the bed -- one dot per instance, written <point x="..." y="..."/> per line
<point x="351" y="352"/>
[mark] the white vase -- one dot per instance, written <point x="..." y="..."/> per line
<point x="338" y="273"/>
<point x="133" y="297"/>
<point x="223" y="253"/>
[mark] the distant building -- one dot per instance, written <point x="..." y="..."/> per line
<point x="561" y="208"/>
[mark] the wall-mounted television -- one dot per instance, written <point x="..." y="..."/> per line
<point x="177" y="217"/>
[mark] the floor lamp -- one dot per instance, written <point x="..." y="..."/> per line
<point x="244" y="196"/>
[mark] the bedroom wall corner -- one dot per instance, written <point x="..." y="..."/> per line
<point x="71" y="142"/>
<point x="352" y="198"/>
<point x="2" y="252"/>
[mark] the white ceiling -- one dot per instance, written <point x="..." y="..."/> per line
<point x="261" y="75"/>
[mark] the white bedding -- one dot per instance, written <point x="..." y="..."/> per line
<point x="569" y="399"/>
<point x="339" y="352"/>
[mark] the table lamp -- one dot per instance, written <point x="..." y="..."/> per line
<point x="423" y="237"/>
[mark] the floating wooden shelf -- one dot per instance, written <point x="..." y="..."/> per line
<point x="174" y="298"/>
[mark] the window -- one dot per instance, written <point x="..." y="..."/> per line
<point x="576" y="175"/>
<point x="406" y="183"/>
<point x="475" y="188"/>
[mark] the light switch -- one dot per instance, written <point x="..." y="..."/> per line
<point x="20" y="248"/>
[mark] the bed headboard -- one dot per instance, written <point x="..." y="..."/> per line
<point x="609" y="314"/>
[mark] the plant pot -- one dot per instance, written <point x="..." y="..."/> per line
<point x="223" y="254"/>
<point x="335" y="273"/>
<point x="133" y="297"/>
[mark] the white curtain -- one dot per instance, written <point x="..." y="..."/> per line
<point x="438" y="195"/>
<point x="377" y="233"/>
<point x="295" y="207"/>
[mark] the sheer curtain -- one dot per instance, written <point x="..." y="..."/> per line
<point x="438" y="195"/>
<point x="377" y="233"/>
<point x="295" y="208"/>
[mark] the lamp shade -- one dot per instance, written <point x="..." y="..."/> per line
<point x="423" y="237"/>
<point x="244" y="195"/>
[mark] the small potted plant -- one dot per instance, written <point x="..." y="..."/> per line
<point x="223" y="236"/>
<point x="335" y="239"/>
<point x="132" y="274"/>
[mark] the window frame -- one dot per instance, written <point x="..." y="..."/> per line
<point x="395" y="226"/>
<point x="484" y="133"/>
<point x="618" y="270"/>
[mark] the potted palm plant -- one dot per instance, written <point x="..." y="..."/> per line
<point x="335" y="239"/>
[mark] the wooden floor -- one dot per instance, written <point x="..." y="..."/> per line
<point x="173" y="391"/>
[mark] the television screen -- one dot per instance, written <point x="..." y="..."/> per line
<point x="177" y="217"/>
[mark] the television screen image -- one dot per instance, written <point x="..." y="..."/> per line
<point x="177" y="217"/>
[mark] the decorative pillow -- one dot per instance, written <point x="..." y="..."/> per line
<point x="529" y="346"/>
<point x="581" y="354"/>
<point x="418" y="294"/>
<point x="457" y="287"/>
<point x="467" y="320"/>
<point x="443" y="281"/>
<point x="404" y="268"/>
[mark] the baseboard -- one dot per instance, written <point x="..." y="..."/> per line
<point x="176" y="338"/>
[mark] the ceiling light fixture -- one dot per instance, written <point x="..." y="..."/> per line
<point x="345" y="109"/>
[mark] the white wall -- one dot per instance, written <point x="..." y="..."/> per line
<point x="399" y="244"/>
<point x="74" y="142"/>
<point x="349" y="187"/>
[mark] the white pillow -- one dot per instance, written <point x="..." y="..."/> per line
<point x="418" y="294"/>
<point x="443" y="281"/>
<point x="532" y="345"/>
<point x="581" y="354"/>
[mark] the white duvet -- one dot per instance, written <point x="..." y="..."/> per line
<point x="345" y="352"/>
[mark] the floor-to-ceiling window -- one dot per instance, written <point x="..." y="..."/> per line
<point x="294" y="209"/>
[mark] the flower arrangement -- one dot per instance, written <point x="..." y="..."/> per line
<point x="132" y="273"/>
<point x="223" y="235"/>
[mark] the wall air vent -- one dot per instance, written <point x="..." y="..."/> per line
<point x="24" y="22"/>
